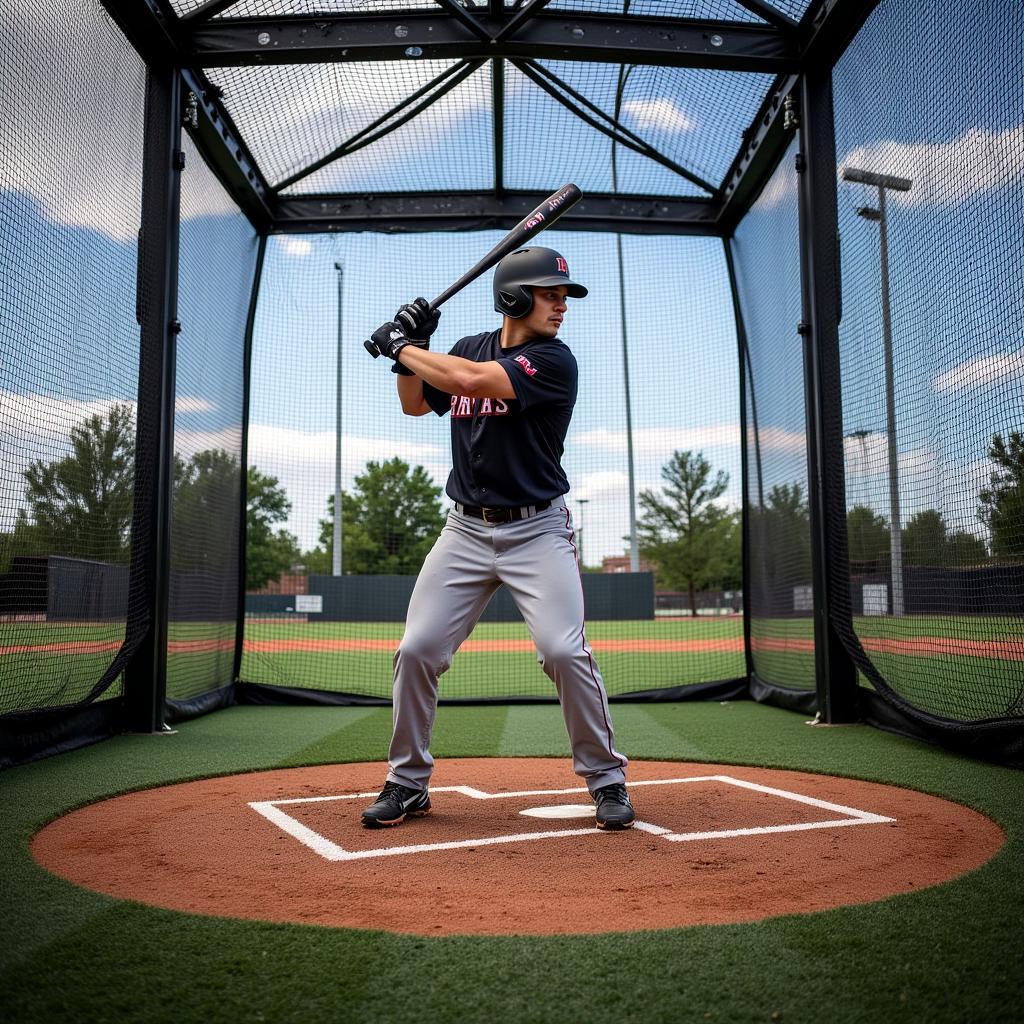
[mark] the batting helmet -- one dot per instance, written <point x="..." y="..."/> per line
<point x="524" y="269"/>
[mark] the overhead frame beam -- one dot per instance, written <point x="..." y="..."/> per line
<point x="405" y="212"/>
<point x="825" y="33"/>
<point x="424" y="35"/>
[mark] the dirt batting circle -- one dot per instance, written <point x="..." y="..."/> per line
<point x="510" y="848"/>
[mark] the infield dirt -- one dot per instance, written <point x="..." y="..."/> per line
<point x="490" y="869"/>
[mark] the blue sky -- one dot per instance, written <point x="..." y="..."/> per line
<point x="68" y="338"/>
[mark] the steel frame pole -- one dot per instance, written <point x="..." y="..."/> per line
<point x="145" y="680"/>
<point x="243" y="511"/>
<point x="835" y="672"/>
<point x="337" y="539"/>
<point x="634" y="552"/>
<point x="895" y="521"/>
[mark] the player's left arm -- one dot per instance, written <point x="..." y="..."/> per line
<point x="458" y="376"/>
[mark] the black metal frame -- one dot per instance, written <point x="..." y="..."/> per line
<point x="493" y="33"/>
<point x="835" y="673"/>
<point x="176" y="50"/>
<point x="145" y="677"/>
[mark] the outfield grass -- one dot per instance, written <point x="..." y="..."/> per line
<point x="492" y="673"/>
<point x="947" y="954"/>
<point x="959" y="686"/>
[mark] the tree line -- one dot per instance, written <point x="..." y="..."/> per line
<point x="81" y="505"/>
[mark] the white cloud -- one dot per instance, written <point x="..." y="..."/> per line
<point x="781" y="189"/>
<point x="662" y="114"/>
<point x="185" y="404"/>
<point x="656" y="440"/>
<point x="945" y="173"/>
<point x="303" y="463"/>
<point x="977" y="373"/>
<point x="296" y="246"/>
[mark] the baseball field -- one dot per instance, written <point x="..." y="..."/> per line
<point x="949" y="952"/>
<point x="983" y="655"/>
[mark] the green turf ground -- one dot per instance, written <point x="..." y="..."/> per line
<point x="947" y="954"/>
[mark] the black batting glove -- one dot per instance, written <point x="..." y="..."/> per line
<point x="389" y="339"/>
<point x="418" y="320"/>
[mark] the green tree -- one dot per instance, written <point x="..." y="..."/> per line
<point x="926" y="541"/>
<point x="81" y="504"/>
<point x="268" y="552"/>
<point x="390" y="520"/>
<point x="786" y="537"/>
<point x="1002" y="502"/>
<point x="693" y="541"/>
<point x="205" y="506"/>
<point x="868" y="536"/>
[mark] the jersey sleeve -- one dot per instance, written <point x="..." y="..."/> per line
<point x="438" y="400"/>
<point x="543" y="373"/>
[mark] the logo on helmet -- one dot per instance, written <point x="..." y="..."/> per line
<point x="563" y="267"/>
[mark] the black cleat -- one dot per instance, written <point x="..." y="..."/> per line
<point x="614" y="811"/>
<point x="394" y="804"/>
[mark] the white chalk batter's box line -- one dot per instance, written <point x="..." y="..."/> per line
<point x="271" y="810"/>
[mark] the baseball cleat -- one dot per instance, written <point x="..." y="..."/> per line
<point x="614" y="811"/>
<point x="395" y="804"/>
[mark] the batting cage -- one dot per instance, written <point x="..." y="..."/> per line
<point x="796" y="462"/>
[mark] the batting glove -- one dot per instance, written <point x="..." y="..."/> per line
<point x="389" y="340"/>
<point x="418" y="320"/>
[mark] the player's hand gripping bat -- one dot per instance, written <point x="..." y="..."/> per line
<point x="532" y="224"/>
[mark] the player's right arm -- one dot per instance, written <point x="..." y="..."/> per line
<point x="410" y="394"/>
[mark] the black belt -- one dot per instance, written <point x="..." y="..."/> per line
<point x="502" y="515"/>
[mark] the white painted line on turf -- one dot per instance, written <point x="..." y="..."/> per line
<point x="316" y="842"/>
<point x="333" y="852"/>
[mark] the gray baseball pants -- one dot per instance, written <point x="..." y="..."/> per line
<point x="536" y="559"/>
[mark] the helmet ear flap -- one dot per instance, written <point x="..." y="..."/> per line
<point x="516" y="303"/>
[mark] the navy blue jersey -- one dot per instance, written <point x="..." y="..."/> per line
<point x="508" y="451"/>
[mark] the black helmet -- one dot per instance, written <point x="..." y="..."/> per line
<point x="535" y="267"/>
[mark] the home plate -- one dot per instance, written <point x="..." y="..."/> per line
<point x="560" y="811"/>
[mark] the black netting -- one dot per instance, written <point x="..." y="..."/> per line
<point x="536" y="123"/>
<point x="670" y="109"/>
<point x="216" y="267"/>
<point x="935" y="476"/>
<point x="766" y="252"/>
<point x="69" y="348"/>
<point x="295" y="115"/>
<point x="307" y="628"/>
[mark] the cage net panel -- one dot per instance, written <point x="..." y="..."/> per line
<point x="68" y="348"/>
<point x="306" y="627"/>
<point x="215" y="277"/>
<point x="668" y="108"/>
<point x="938" y="616"/>
<point x="766" y="251"/>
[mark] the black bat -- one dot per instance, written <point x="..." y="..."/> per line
<point x="532" y="224"/>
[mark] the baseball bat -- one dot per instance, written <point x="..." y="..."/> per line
<point x="532" y="224"/>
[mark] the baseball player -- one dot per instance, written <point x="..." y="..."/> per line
<point x="510" y="395"/>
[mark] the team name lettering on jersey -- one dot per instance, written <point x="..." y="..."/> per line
<point x="526" y="365"/>
<point x="464" y="408"/>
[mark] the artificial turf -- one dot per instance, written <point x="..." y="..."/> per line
<point x="949" y="953"/>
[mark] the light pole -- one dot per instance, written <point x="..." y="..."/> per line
<point x="883" y="182"/>
<point x="579" y="529"/>
<point x="336" y="560"/>
<point x="634" y="555"/>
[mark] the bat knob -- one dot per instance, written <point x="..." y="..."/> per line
<point x="371" y="348"/>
